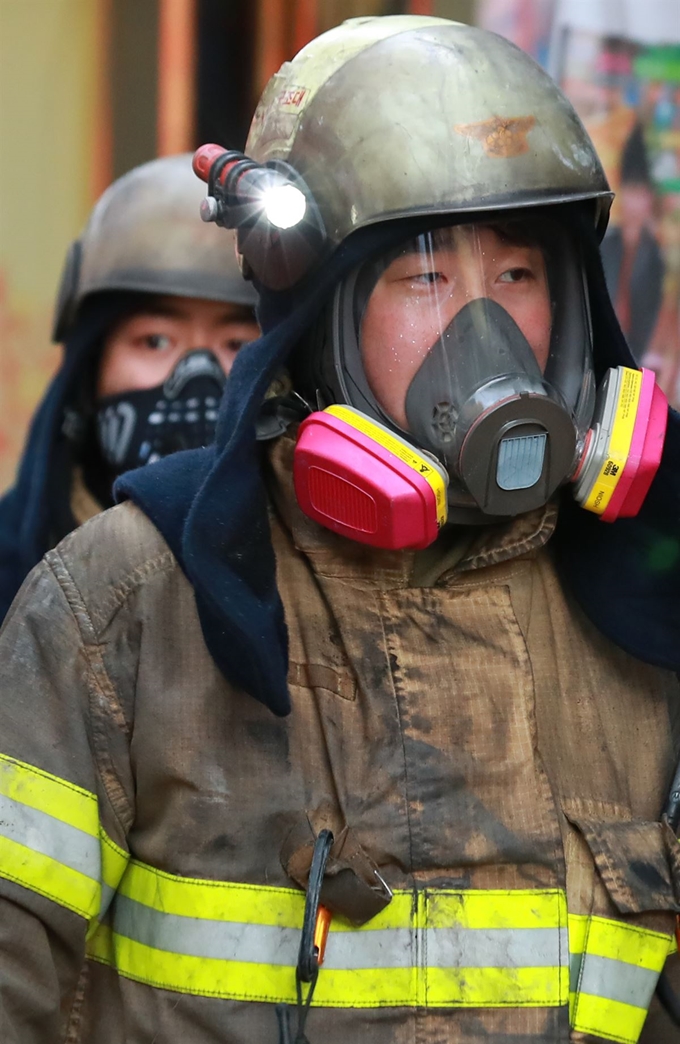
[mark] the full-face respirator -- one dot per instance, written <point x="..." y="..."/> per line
<point x="483" y="333"/>
<point x="454" y="376"/>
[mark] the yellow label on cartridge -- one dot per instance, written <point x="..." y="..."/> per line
<point x="401" y="449"/>
<point x="619" y="443"/>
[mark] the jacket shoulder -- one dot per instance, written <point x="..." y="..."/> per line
<point x="109" y="558"/>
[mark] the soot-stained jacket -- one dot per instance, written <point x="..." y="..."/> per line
<point x="470" y="736"/>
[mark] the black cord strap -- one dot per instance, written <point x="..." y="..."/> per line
<point x="214" y="187"/>
<point x="308" y="965"/>
<point x="307" y="970"/>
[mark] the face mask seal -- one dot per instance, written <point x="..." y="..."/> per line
<point x="139" y="427"/>
<point x="472" y="346"/>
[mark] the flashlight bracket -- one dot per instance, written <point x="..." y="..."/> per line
<point x="221" y="204"/>
<point x="277" y="257"/>
<point x="218" y="173"/>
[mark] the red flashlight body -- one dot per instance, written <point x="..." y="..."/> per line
<point x="205" y="157"/>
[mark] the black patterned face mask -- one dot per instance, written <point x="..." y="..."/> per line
<point x="139" y="427"/>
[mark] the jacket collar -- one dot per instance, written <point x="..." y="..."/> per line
<point x="333" y="555"/>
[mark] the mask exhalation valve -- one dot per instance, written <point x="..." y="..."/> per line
<point x="520" y="461"/>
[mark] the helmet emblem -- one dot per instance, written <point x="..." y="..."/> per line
<point x="502" y="137"/>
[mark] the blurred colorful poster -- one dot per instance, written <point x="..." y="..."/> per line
<point x="619" y="63"/>
<point x="528" y="23"/>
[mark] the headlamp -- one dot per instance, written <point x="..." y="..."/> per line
<point x="284" y="205"/>
<point x="280" y="233"/>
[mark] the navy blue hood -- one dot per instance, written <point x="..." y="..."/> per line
<point x="32" y="513"/>
<point x="211" y="506"/>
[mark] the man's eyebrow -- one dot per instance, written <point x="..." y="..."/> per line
<point x="238" y="314"/>
<point x="429" y="245"/>
<point x="160" y="311"/>
<point x="411" y="250"/>
<point x="232" y="314"/>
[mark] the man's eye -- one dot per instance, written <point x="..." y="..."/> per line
<point x="426" y="278"/>
<point x="157" y="341"/>
<point x="515" y="275"/>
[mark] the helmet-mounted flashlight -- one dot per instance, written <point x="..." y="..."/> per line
<point x="279" y="229"/>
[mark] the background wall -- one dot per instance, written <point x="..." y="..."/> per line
<point x="50" y="87"/>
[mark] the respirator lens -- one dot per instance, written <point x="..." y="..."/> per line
<point x="422" y="291"/>
<point x="474" y="341"/>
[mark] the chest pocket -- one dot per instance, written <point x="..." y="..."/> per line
<point x="615" y="963"/>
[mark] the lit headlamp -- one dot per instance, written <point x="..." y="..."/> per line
<point x="280" y="232"/>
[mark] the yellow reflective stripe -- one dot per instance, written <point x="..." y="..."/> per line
<point x="260" y="979"/>
<point x="231" y="901"/>
<point x="578" y="929"/>
<point x="236" y="980"/>
<point x="615" y="967"/>
<point x="51" y="841"/>
<point x="338" y="988"/>
<point x="47" y="793"/>
<point x="609" y="1019"/>
<point x="628" y="943"/>
<point x="50" y="878"/>
<point x="114" y="860"/>
<point x="523" y="908"/>
<point x="497" y="987"/>
<point x="212" y="900"/>
<point x="265" y="904"/>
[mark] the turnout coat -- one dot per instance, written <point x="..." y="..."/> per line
<point x="466" y="734"/>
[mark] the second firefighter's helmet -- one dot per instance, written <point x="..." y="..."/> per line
<point x="145" y="234"/>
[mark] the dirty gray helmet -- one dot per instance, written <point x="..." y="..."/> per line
<point x="462" y="138"/>
<point x="145" y="234"/>
<point x="403" y="116"/>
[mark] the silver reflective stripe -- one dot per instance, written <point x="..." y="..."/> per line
<point x="256" y="943"/>
<point x="196" y="937"/>
<point x="379" y="948"/>
<point x="617" y="981"/>
<point x="107" y="895"/>
<point x="496" y="947"/>
<point x="50" y="837"/>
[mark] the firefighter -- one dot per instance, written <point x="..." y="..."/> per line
<point x="151" y="311"/>
<point x="351" y="737"/>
